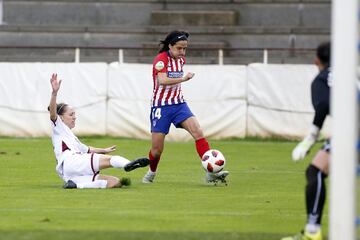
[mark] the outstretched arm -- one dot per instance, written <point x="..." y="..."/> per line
<point x="321" y="102"/>
<point x="55" y="84"/>
<point x="165" y="80"/>
<point x="102" y="150"/>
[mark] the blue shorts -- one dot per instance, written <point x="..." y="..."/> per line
<point x="162" y="117"/>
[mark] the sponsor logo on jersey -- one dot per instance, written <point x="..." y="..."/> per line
<point x="159" y="65"/>
<point x="175" y="74"/>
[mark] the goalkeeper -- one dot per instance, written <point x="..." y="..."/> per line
<point x="318" y="169"/>
<point x="320" y="97"/>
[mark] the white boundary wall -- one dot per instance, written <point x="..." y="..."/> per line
<point x="229" y="101"/>
<point x="279" y="100"/>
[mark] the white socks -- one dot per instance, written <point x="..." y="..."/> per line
<point x="94" y="184"/>
<point x="118" y="162"/>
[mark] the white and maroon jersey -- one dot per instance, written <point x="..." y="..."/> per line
<point x="169" y="94"/>
<point x="65" y="142"/>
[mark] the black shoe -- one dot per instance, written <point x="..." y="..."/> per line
<point x="141" y="162"/>
<point x="69" y="185"/>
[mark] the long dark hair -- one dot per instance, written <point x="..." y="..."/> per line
<point x="172" y="38"/>
<point x="60" y="108"/>
<point x="323" y="52"/>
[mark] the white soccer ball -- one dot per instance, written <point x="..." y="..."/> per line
<point x="213" y="161"/>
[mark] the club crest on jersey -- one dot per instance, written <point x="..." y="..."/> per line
<point x="175" y="74"/>
<point x="159" y="65"/>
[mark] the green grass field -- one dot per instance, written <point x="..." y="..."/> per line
<point x="264" y="199"/>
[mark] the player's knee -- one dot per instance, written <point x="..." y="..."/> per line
<point x="312" y="173"/>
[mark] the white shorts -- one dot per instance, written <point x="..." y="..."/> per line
<point x="81" y="167"/>
<point x="84" y="179"/>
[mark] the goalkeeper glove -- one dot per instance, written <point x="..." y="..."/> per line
<point x="303" y="148"/>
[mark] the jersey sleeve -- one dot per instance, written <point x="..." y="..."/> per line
<point x="320" y="97"/>
<point x="56" y="125"/>
<point x="160" y="64"/>
<point x="83" y="148"/>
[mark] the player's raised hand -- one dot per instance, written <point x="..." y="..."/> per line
<point x="55" y="83"/>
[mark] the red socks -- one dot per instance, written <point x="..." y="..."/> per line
<point x="153" y="162"/>
<point x="202" y="146"/>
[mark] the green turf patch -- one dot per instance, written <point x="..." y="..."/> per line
<point x="104" y="235"/>
<point x="264" y="198"/>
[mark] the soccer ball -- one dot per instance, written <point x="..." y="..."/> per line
<point x="213" y="161"/>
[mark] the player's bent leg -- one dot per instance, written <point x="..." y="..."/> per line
<point x="112" y="182"/>
<point x="193" y="127"/>
<point x="88" y="181"/>
<point x="157" y="140"/>
<point x="315" y="198"/>
<point x="157" y="144"/>
<point x="316" y="192"/>
<point x="92" y="184"/>
<point x="108" y="161"/>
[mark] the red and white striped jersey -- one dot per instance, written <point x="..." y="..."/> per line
<point x="169" y="94"/>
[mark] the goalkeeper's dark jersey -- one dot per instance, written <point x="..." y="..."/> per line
<point x="320" y="96"/>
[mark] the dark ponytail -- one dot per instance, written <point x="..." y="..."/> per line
<point x="172" y="38"/>
<point x="60" y="108"/>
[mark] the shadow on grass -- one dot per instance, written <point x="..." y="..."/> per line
<point x="104" y="235"/>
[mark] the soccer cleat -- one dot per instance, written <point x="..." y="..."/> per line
<point x="141" y="162"/>
<point x="149" y="177"/>
<point x="313" y="236"/>
<point x="305" y="236"/>
<point x="70" y="185"/>
<point x="217" y="177"/>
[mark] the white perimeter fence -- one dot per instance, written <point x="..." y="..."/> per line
<point x="262" y="100"/>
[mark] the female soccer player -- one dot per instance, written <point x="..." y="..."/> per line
<point x="77" y="164"/>
<point x="168" y="104"/>
<point x="318" y="170"/>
